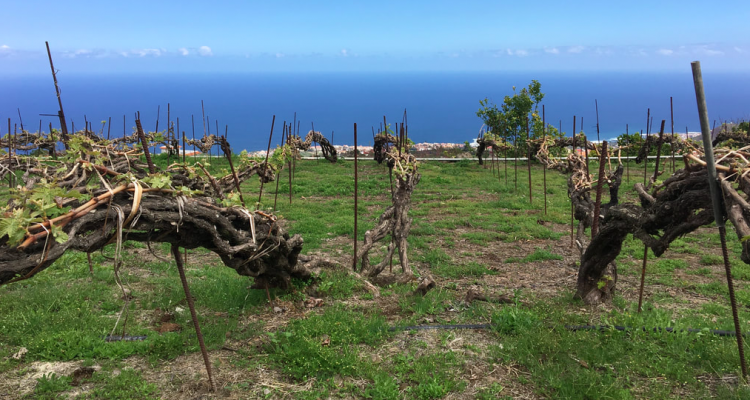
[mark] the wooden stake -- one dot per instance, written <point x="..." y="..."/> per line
<point x="193" y="314"/>
<point x="61" y="113"/>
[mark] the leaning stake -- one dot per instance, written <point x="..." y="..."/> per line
<point x="144" y="144"/>
<point x="60" y="114"/>
<point x="265" y="165"/>
<point x="193" y="314"/>
<point x="717" y="204"/>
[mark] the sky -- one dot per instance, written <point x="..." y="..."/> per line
<point x="232" y="36"/>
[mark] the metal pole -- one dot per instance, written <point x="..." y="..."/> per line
<point x="627" y="151"/>
<point x="528" y="159"/>
<point x="645" y="161"/>
<point x="597" y="120"/>
<point x="598" y="203"/>
<point x="658" y="150"/>
<point x="717" y="203"/>
<point x="356" y="195"/>
<point x="192" y="119"/>
<point x="169" y="136"/>
<point x="572" y="206"/>
<point x="671" y="123"/>
<point x="278" y="174"/>
<point x="265" y="164"/>
<point x="643" y="278"/>
<point x="289" y="163"/>
<point x="544" y="167"/>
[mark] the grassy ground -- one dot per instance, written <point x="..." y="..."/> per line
<point x="471" y="230"/>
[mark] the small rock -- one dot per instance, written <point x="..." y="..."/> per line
<point x="21" y="352"/>
<point x="277" y="310"/>
<point x="179" y="310"/>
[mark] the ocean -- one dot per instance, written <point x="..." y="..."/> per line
<point x="441" y="107"/>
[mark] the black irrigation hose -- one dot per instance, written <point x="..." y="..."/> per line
<point x="573" y="328"/>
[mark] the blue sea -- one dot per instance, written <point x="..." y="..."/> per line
<point x="441" y="107"/>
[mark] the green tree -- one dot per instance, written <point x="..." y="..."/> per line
<point x="508" y="121"/>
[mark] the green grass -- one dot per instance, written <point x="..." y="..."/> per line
<point x="463" y="218"/>
<point x="538" y="255"/>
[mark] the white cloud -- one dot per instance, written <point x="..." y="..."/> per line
<point x="183" y="51"/>
<point x="279" y="55"/>
<point x="5" y="47"/>
<point x="665" y="52"/>
<point x="143" y="53"/>
<point x="552" y="50"/>
<point x="708" y="51"/>
<point x="205" y="51"/>
<point x="739" y="50"/>
<point x="344" y="53"/>
<point x="576" y="49"/>
<point x="519" y="53"/>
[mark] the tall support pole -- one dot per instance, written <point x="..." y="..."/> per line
<point x="600" y="185"/>
<point x="228" y="153"/>
<point x="596" y="102"/>
<point x="645" y="161"/>
<point x="645" y="250"/>
<point x="192" y="119"/>
<point x="169" y="136"/>
<point x="356" y="196"/>
<point x="61" y="113"/>
<point x="572" y="207"/>
<point x="203" y="111"/>
<point x="278" y="174"/>
<point x="648" y="133"/>
<point x="671" y="123"/>
<point x="643" y="278"/>
<point x="265" y="164"/>
<point x="109" y="127"/>
<point x="289" y="163"/>
<point x="528" y="160"/>
<point x="627" y="152"/>
<point x="544" y="167"/>
<point x="10" y="156"/>
<point x="193" y="314"/>
<point x="658" y="150"/>
<point x="717" y="204"/>
<point x="156" y="130"/>
<point x="20" y="119"/>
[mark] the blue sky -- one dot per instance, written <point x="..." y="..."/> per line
<point x="224" y="36"/>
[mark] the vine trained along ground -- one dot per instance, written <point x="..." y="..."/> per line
<point x="330" y="338"/>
